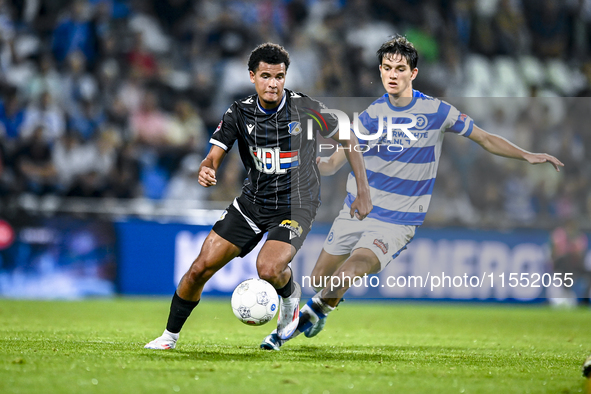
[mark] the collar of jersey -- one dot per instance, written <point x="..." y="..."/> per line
<point x="415" y="94"/>
<point x="272" y="111"/>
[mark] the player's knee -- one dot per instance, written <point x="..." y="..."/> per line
<point x="199" y="273"/>
<point x="269" y="273"/>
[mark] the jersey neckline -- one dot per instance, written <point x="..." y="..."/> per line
<point x="274" y="110"/>
<point x="415" y="94"/>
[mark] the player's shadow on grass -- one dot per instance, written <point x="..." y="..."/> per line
<point x="384" y="353"/>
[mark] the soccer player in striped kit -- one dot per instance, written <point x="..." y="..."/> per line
<point x="280" y="196"/>
<point x="401" y="178"/>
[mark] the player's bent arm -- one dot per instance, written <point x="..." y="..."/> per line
<point x="330" y="165"/>
<point x="362" y="205"/>
<point x="210" y="165"/>
<point x="501" y="147"/>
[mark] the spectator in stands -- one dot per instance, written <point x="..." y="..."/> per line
<point x="141" y="59"/>
<point x="518" y="191"/>
<point x="86" y="119"/>
<point x="104" y="150"/>
<point x="75" y="33"/>
<point x="171" y="14"/>
<point x="122" y="181"/>
<point x="77" y="84"/>
<point x="34" y="166"/>
<point x="568" y="250"/>
<point x="510" y="28"/>
<point x="186" y="130"/>
<point x="452" y="206"/>
<point x="71" y="158"/>
<point x="549" y="27"/>
<point x="184" y="185"/>
<point x="46" y="80"/>
<point x="47" y="114"/>
<point x="149" y="125"/>
<point x="12" y="116"/>
<point x="132" y="91"/>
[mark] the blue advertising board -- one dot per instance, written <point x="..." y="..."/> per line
<point x="57" y="258"/>
<point x="446" y="263"/>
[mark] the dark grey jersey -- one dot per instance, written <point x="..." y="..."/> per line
<point x="277" y="149"/>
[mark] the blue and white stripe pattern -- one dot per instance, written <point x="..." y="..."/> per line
<point x="401" y="178"/>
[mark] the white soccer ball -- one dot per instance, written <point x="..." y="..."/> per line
<point x="255" y="302"/>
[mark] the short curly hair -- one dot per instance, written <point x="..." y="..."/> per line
<point x="399" y="45"/>
<point x="269" y="53"/>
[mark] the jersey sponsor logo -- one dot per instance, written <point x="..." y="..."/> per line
<point x="248" y="101"/>
<point x="294" y="94"/>
<point x="250" y="128"/>
<point x="381" y="244"/>
<point x="273" y="160"/>
<point x="295" y="128"/>
<point x="422" y="122"/>
<point x="219" y="127"/>
<point x="294" y="227"/>
<point x="229" y="111"/>
<point x="463" y="118"/>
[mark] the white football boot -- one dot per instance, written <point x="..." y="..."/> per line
<point x="289" y="313"/>
<point x="166" y="341"/>
<point x="272" y="342"/>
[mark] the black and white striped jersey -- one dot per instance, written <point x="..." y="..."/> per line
<point x="278" y="148"/>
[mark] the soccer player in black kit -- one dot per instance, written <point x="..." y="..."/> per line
<point x="280" y="195"/>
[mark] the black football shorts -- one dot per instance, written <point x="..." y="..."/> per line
<point x="244" y="224"/>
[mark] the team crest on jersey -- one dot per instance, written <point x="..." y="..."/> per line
<point x="295" y="128"/>
<point x="274" y="160"/>
<point x="422" y="122"/>
<point x="381" y="244"/>
<point x="293" y="226"/>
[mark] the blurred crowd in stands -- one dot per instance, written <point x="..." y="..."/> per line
<point x="118" y="98"/>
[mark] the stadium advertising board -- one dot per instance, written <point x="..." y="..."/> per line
<point x="452" y="264"/>
<point x="60" y="257"/>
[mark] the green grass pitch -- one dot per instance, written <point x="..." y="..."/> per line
<point x="97" y="347"/>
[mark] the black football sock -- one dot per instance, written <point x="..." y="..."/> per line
<point x="288" y="289"/>
<point x="179" y="313"/>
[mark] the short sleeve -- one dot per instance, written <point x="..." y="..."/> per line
<point x="226" y="132"/>
<point x="325" y="123"/>
<point x="459" y="123"/>
<point x="332" y="123"/>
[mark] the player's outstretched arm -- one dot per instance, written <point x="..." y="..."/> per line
<point x="501" y="147"/>
<point x="209" y="166"/>
<point x="362" y="205"/>
<point x="330" y="165"/>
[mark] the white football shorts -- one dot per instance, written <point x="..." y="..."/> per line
<point x="386" y="240"/>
